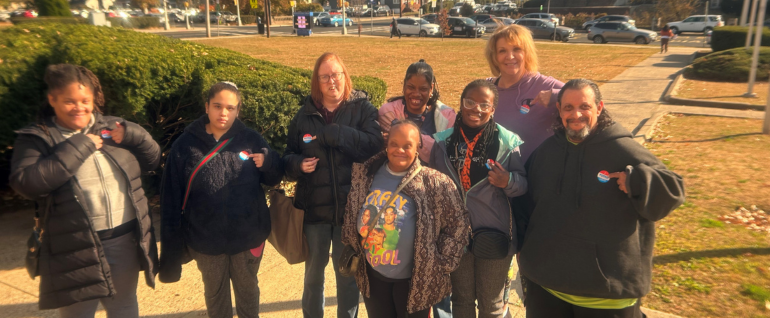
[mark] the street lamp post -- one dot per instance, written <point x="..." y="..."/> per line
<point x="751" y="22"/>
<point x="208" y="20"/>
<point x="757" y="44"/>
<point x="238" y="9"/>
<point x="165" y="15"/>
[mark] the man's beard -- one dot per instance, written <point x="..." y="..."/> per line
<point x="578" y="135"/>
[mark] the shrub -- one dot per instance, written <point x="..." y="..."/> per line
<point x="248" y="19"/>
<point x="153" y="80"/>
<point x="575" y="21"/>
<point x="534" y="3"/>
<point x="466" y="10"/>
<point x="48" y="20"/>
<point x="725" y="38"/>
<point x="308" y="7"/>
<point x="730" y="65"/>
<point x="447" y="4"/>
<point x="53" y="8"/>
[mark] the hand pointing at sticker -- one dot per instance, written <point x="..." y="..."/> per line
<point x="543" y="98"/>
<point x="259" y="159"/>
<point x="621" y="180"/>
<point x="118" y="133"/>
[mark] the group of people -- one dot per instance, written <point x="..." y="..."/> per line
<point x="438" y="203"/>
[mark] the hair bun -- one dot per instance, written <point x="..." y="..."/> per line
<point x="422" y="61"/>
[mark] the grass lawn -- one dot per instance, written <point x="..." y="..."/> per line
<point x="722" y="91"/>
<point x="455" y="61"/>
<point x="705" y="267"/>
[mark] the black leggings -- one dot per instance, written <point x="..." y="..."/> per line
<point x="389" y="298"/>
<point x="542" y="304"/>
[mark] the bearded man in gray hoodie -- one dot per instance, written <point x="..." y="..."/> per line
<point x="589" y="240"/>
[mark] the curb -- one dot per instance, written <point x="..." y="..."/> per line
<point x="645" y="133"/>
<point x="669" y="96"/>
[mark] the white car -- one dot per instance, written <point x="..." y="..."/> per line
<point x="412" y="26"/>
<point x="545" y="16"/>
<point x="696" y="23"/>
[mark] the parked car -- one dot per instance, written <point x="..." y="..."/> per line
<point x="696" y="23"/>
<point x="432" y="18"/>
<point x="609" y="18"/>
<point x="335" y="20"/>
<point x="466" y="27"/>
<point x="213" y="16"/>
<point x="161" y="17"/>
<point x="29" y="14"/>
<point x="620" y="31"/>
<point x="382" y="11"/>
<point x="419" y="27"/>
<point x="317" y="16"/>
<point x="545" y="29"/>
<point x="546" y="16"/>
<point x="455" y="11"/>
<point x="481" y="17"/>
<point x="492" y="24"/>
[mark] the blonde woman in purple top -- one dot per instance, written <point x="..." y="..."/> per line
<point x="527" y="104"/>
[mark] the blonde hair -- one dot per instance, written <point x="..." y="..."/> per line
<point x="518" y="36"/>
<point x="315" y="82"/>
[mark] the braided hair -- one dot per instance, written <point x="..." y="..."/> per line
<point x="59" y="76"/>
<point x="489" y="128"/>
<point x="421" y="68"/>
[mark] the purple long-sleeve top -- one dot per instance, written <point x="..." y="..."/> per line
<point x="532" y="123"/>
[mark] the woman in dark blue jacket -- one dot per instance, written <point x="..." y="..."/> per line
<point x="222" y="220"/>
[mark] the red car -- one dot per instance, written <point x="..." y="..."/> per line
<point x="30" y="14"/>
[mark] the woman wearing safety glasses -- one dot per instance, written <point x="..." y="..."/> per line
<point x="335" y="127"/>
<point x="484" y="160"/>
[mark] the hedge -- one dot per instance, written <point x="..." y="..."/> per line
<point x="728" y="37"/>
<point x="248" y="19"/>
<point x="60" y="20"/>
<point x="150" y="79"/>
<point x="135" y="22"/>
<point x="53" y="8"/>
<point x="731" y="65"/>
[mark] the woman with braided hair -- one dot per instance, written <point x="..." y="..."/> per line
<point x="484" y="160"/>
<point x="84" y="171"/>
<point x="420" y="104"/>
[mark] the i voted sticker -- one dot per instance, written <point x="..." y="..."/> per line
<point x="524" y="109"/>
<point x="307" y="138"/>
<point x="244" y="155"/>
<point x="106" y="134"/>
<point x="603" y="176"/>
<point x="490" y="163"/>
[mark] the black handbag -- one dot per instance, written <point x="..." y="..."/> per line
<point x="490" y="244"/>
<point x="350" y="258"/>
<point x="34" y="243"/>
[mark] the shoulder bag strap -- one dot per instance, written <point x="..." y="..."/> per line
<point x="213" y="153"/>
<point x="376" y="217"/>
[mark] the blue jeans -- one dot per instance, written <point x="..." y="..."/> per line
<point x="319" y="238"/>
<point x="444" y="308"/>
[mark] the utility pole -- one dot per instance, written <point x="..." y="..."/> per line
<point x="757" y="45"/>
<point x="707" y="22"/>
<point x="267" y="18"/>
<point x="751" y="22"/>
<point x="344" y="23"/>
<point x="238" y="9"/>
<point x="549" y="7"/>
<point x="744" y="12"/>
<point x="371" y="21"/>
<point x="165" y="15"/>
<point x="208" y="20"/>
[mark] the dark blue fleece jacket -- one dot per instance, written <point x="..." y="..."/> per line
<point x="226" y="210"/>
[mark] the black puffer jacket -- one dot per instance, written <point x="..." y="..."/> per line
<point x="353" y="136"/>
<point x="72" y="264"/>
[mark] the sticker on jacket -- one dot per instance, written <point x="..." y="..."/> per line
<point x="603" y="176"/>
<point x="106" y="134"/>
<point x="307" y="138"/>
<point x="524" y="109"/>
<point x="244" y="155"/>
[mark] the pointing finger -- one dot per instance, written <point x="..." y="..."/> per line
<point x="617" y="174"/>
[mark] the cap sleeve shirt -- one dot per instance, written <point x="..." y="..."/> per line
<point x="390" y="246"/>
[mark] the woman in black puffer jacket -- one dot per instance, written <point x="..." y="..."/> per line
<point x="335" y="127"/>
<point x="83" y="171"/>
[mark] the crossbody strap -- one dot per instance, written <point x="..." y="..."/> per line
<point x="213" y="153"/>
<point x="376" y="217"/>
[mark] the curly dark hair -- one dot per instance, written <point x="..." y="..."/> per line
<point x="603" y="121"/>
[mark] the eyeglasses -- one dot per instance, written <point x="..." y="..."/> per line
<point x="326" y="78"/>
<point x="471" y="104"/>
